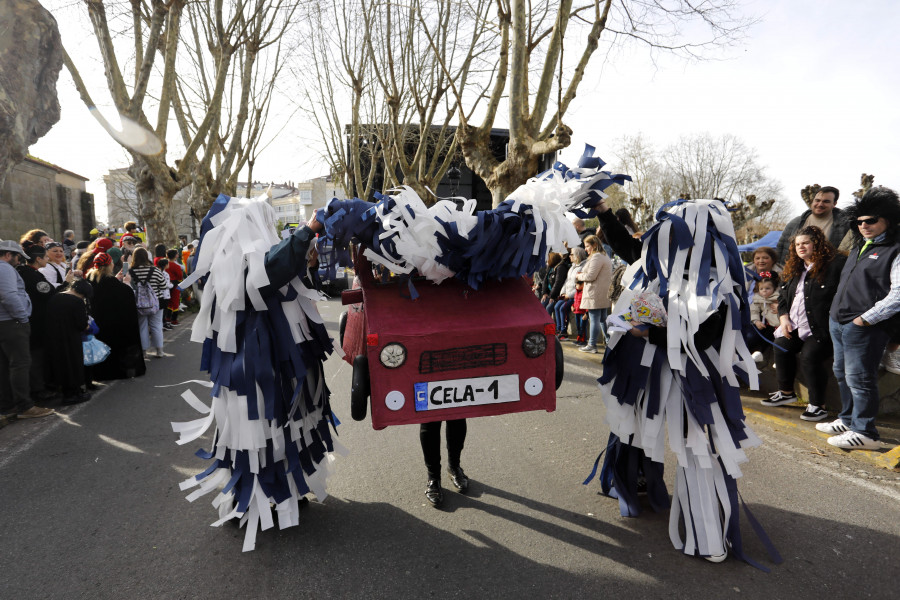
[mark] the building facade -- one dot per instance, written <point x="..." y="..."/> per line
<point x="41" y="195"/>
<point x="293" y="203"/>
<point x="306" y="199"/>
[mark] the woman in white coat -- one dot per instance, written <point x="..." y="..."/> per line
<point x="596" y="275"/>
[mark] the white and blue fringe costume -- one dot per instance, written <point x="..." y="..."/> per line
<point x="451" y="239"/>
<point x="263" y="345"/>
<point x="685" y="386"/>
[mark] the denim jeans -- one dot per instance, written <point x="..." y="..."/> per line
<point x="581" y="325"/>
<point x="150" y="327"/>
<point x="857" y="353"/>
<point x="561" y="314"/>
<point x="598" y="325"/>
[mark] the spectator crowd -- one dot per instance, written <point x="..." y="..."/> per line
<point x="73" y="314"/>
<point x="825" y="300"/>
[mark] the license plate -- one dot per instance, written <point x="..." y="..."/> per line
<point x="456" y="393"/>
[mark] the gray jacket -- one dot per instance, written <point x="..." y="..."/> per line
<point x="838" y="230"/>
<point x="15" y="305"/>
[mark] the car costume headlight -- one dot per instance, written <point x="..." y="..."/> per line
<point x="534" y="344"/>
<point x="393" y="355"/>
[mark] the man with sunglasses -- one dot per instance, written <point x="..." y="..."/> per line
<point x="864" y="316"/>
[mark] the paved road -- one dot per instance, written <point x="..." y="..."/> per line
<point x="92" y="509"/>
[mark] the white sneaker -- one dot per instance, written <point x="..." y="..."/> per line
<point x="835" y="427"/>
<point x="758" y="357"/>
<point x="160" y="353"/>
<point x="891" y="362"/>
<point x="850" y="440"/>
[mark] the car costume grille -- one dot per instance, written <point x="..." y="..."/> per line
<point x="469" y="357"/>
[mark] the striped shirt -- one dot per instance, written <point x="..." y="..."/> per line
<point x="157" y="280"/>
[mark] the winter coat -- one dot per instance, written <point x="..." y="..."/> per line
<point x="839" y="229"/>
<point x="818" y="296"/>
<point x="569" y="287"/>
<point x="559" y="278"/>
<point x="596" y="275"/>
<point x="760" y="309"/>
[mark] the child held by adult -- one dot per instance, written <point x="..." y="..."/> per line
<point x="764" y="314"/>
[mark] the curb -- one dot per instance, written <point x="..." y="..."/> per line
<point x="885" y="460"/>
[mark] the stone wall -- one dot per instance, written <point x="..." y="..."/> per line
<point x="34" y="198"/>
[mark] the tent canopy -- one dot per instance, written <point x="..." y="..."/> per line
<point x="770" y="239"/>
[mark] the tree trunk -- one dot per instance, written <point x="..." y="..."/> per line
<point x="158" y="204"/>
<point x="510" y="174"/>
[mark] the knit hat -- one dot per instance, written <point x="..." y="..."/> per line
<point x="115" y="254"/>
<point x="102" y="259"/>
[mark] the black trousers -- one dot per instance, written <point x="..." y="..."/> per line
<point x="813" y="355"/>
<point x="15" y="367"/>
<point x="755" y="343"/>
<point x="430" y="436"/>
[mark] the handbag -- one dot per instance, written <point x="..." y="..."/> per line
<point x="94" y="350"/>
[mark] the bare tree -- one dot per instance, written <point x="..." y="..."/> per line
<point x="153" y="46"/>
<point x="651" y="185"/>
<point x="723" y="167"/>
<point x="397" y="62"/>
<point x="335" y="80"/>
<point x="702" y="166"/>
<point x="257" y="62"/>
<point x="540" y="84"/>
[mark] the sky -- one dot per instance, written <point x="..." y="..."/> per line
<point x="814" y="88"/>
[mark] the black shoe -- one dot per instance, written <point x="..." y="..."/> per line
<point x="814" y="413"/>
<point x="458" y="479"/>
<point x="434" y="493"/>
<point x="778" y="398"/>
<point x="77" y="398"/>
<point x="641" y="485"/>
<point x="91" y="386"/>
<point x="44" y="396"/>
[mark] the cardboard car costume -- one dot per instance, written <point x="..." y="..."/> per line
<point x="264" y="342"/>
<point x="468" y="338"/>
<point x="453" y="353"/>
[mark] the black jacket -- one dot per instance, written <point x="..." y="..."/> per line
<point x="559" y="278"/>
<point x="628" y="248"/>
<point x="818" y="295"/>
<point x="40" y="291"/>
<point x="865" y="280"/>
